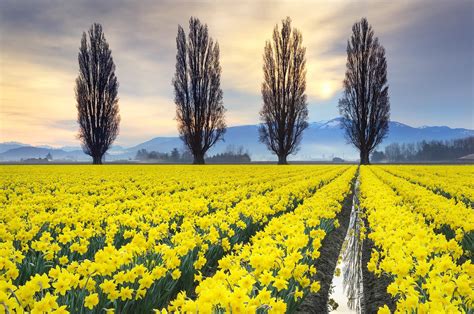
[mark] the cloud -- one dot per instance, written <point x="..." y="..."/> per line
<point x="144" y="118"/>
<point x="64" y="124"/>
<point x="39" y="44"/>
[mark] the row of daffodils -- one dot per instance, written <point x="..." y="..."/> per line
<point x="451" y="181"/>
<point x="438" y="209"/>
<point x="431" y="272"/>
<point x="129" y="239"/>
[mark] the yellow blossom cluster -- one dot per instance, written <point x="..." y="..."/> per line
<point x="430" y="273"/>
<point x="453" y="181"/>
<point x="437" y="208"/>
<point x="129" y="238"/>
<point x="276" y="269"/>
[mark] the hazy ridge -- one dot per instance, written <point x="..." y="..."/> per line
<point x="321" y="141"/>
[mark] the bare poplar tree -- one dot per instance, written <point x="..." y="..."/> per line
<point x="285" y="112"/>
<point x="96" y="95"/>
<point x="198" y="96"/>
<point x="365" y="104"/>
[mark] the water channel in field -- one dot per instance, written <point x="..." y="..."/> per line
<point x="347" y="289"/>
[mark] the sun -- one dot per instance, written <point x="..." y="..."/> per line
<point x="326" y="90"/>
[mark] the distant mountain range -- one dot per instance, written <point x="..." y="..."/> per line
<point x="321" y="141"/>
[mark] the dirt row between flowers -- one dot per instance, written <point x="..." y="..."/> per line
<point x="326" y="263"/>
<point x="374" y="288"/>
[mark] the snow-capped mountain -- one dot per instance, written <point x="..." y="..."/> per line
<point x="321" y="141"/>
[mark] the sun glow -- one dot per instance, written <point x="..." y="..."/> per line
<point x="326" y="89"/>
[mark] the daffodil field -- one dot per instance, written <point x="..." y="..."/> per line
<point x="241" y="238"/>
<point x="131" y="238"/>
<point x="421" y="221"/>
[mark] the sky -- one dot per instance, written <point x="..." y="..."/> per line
<point x="429" y="49"/>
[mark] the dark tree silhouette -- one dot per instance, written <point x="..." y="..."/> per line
<point x="175" y="155"/>
<point x="96" y="95"/>
<point x="285" y="112"/>
<point x="365" y="104"/>
<point x="198" y="96"/>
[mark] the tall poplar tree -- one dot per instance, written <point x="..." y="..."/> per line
<point x="365" y="104"/>
<point x="96" y="95"/>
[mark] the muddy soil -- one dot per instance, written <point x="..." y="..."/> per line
<point x="327" y="261"/>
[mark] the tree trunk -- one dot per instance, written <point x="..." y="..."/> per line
<point x="97" y="160"/>
<point x="282" y="160"/>
<point x="364" y="157"/>
<point x="198" y="159"/>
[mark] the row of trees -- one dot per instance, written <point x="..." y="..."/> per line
<point x="200" y="111"/>
<point x="231" y="155"/>
<point x="426" y="151"/>
<point x="174" y="156"/>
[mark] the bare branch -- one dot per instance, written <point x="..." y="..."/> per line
<point x="96" y="95"/>
<point x="365" y="104"/>
<point x="198" y="96"/>
<point x="285" y="112"/>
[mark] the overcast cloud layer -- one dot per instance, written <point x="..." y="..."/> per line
<point x="429" y="48"/>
